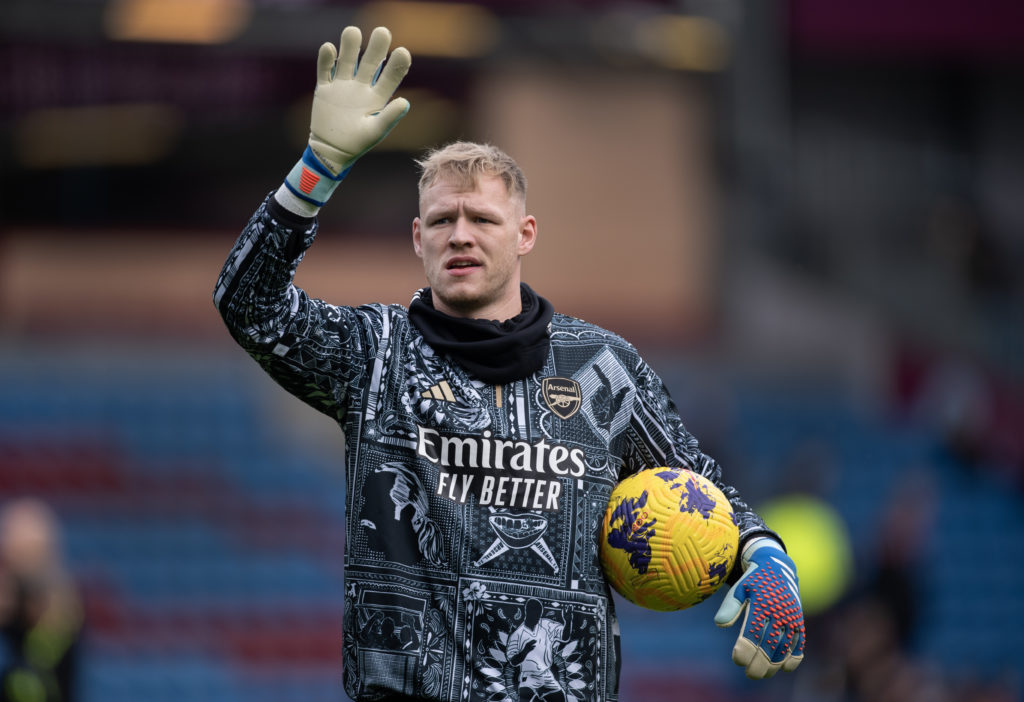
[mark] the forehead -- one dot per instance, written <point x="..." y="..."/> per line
<point x="483" y="191"/>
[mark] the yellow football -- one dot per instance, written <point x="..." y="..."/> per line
<point x="669" y="538"/>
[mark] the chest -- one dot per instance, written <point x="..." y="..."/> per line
<point x="516" y="445"/>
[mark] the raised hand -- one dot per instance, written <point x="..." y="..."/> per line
<point x="351" y="109"/>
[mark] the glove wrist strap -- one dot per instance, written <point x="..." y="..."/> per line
<point x="754" y="544"/>
<point x="311" y="181"/>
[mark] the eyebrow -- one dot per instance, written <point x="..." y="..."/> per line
<point x="449" y="210"/>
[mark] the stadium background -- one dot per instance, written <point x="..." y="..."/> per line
<point x="807" y="215"/>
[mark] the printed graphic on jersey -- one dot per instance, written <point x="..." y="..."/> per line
<point x="436" y="398"/>
<point x="529" y="647"/>
<point x="524" y="546"/>
<point x="441" y="391"/>
<point x="518" y="531"/>
<point x="395" y="524"/>
<point x="607" y="394"/>
<point x="499" y="454"/>
<point x="499" y="472"/>
<point x="400" y="640"/>
<point x="562" y="396"/>
<point x="502" y="491"/>
<point x="407" y="492"/>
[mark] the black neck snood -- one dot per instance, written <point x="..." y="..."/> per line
<point x="495" y="352"/>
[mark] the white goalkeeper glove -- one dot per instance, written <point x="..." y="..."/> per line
<point x="772" y="634"/>
<point x="351" y="110"/>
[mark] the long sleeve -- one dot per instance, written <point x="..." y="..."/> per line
<point x="657" y="426"/>
<point x="311" y="348"/>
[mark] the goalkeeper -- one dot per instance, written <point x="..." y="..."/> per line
<point x="484" y="432"/>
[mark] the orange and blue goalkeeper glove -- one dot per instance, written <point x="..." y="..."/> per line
<point x="352" y="110"/>
<point x="772" y="635"/>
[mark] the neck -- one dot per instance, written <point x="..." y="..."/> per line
<point x="507" y="346"/>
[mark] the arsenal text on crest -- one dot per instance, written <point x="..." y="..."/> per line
<point x="562" y="395"/>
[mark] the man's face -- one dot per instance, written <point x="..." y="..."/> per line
<point x="470" y="242"/>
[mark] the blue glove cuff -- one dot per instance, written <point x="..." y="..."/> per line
<point x="755" y="545"/>
<point x="311" y="181"/>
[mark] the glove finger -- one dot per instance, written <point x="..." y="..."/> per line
<point x="348" y="52"/>
<point x="796" y="654"/>
<point x="394" y="71"/>
<point x="758" y="667"/>
<point x="392" y="113"/>
<point x="785" y="643"/>
<point x="376" y="51"/>
<point x="798" y="647"/>
<point x="752" y="649"/>
<point x="743" y="652"/>
<point x="325" y="63"/>
<point x="730" y="610"/>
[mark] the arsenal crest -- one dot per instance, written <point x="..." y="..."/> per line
<point x="562" y="396"/>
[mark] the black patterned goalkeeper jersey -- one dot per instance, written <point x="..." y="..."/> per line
<point x="473" y="510"/>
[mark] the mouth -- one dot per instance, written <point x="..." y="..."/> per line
<point x="461" y="265"/>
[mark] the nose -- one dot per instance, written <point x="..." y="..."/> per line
<point x="461" y="233"/>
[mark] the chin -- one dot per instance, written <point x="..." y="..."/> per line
<point x="455" y="296"/>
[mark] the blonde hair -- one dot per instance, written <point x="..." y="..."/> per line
<point x="465" y="161"/>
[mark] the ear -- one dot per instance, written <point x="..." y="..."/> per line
<point x="527" y="234"/>
<point x="417" y="247"/>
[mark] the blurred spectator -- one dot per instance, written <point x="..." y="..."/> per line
<point x="873" y="635"/>
<point x="974" y="411"/>
<point x="40" y="611"/>
<point x="959" y="243"/>
<point x="901" y="544"/>
<point x="956" y="402"/>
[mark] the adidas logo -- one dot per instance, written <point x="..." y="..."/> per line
<point x="441" y="391"/>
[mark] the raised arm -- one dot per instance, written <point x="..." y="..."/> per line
<point x="307" y="345"/>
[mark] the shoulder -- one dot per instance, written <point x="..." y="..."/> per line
<point x="392" y="313"/>
<point x="377" y="321"/>
<point x="568" y="329"/>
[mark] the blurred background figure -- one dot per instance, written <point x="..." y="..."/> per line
<point x="40" y="612"/>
